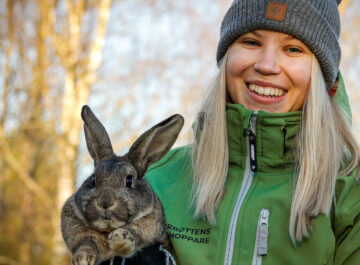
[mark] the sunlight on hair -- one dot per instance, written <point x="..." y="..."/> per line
<point x="320" y="153"/>
<point x="210" y="156"/>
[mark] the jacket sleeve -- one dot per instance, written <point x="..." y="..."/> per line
<point x="347" y="220"/>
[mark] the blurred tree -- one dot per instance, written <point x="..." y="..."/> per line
<point x="49" y="61"/>
<point x="157" y="57"/>
<point x="350" y="63"/>
<point x="80" y="54"/>
<point x="343" y="5"/>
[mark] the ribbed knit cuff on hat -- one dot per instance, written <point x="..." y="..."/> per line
<point x="315" y="22"/>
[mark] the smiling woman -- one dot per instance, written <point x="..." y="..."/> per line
<point x="268" y="70"/>
<point x="273" y="171"/>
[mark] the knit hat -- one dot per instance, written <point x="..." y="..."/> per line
<point x="315" y="22"/>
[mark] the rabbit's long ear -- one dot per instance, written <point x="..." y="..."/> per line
<point x="97" y="139"/>
<point x="155" y="143"/>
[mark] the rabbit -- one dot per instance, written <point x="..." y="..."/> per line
<point x="115" y="212"/>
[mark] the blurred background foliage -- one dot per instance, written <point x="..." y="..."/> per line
<point x="133" y="61"/>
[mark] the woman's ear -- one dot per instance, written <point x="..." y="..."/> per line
<point x="333" y="90"/>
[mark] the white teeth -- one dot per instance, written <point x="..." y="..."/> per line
<point x="259" y="89"/>
<point x="267" y="91"/>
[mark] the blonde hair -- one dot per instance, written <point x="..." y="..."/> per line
<point x="210" y="155"/>
<point x="324" y="143"/>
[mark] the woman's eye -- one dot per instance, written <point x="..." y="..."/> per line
<point x="250" y="42"/>
<point x="129" y="181"/>
<point x="293" y="50"/>
<point x="93" y="181"/>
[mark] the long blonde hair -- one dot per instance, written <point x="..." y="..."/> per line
<point x="324" y="143"/>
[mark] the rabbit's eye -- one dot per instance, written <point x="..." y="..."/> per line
<point x="93" y="181"/>
<point x="129" y="181"/>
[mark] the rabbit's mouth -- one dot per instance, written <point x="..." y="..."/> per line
<point x="106" y="214"/>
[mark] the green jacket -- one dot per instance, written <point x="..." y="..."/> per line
<point x="253" y="217"/>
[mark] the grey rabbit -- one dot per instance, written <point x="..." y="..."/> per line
<point x="115" y="212"/>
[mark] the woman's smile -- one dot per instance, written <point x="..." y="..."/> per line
<point x="265" y="93"/>
<point x="266" y="89"/>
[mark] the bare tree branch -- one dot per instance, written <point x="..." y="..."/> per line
<point x="344" y="4"/>
<point x="7" y="261"/>
<point x="11" y="161"/>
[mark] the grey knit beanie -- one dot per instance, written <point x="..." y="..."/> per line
<point x="315" y="22"/>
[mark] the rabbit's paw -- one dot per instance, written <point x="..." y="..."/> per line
<point x="122" y="242"/>
<point x="84" y="255"/>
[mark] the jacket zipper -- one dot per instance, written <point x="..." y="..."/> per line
<point x="251" y="166"/>
<point x="252" y="141"/>
<point x="262" y="232"/>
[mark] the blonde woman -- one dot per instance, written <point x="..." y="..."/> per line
<point x="272" y="174"/>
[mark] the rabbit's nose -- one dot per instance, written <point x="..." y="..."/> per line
<point x="106" y="199"/>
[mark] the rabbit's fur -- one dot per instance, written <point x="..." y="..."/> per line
<point x="115" y="212"/>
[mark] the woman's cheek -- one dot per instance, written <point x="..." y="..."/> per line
<point x="238" y="61"/>
<point x="300" y="73"/>
<point x="233" y="67"/>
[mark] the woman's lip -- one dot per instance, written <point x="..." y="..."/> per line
<point x="265" y="84"/>
<point x="265" y="100"/>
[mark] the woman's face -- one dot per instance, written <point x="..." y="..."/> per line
<point x="268" y="71"/>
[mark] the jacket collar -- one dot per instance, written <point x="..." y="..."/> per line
<point x="275" y="135"/>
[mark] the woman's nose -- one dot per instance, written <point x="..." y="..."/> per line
<point x="267" y="63"/>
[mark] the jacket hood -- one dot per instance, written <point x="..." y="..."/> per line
<point x="342" y="98"/>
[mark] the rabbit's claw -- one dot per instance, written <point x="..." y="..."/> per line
<point x="84" y="256"/>
<point x="122" y="242"/>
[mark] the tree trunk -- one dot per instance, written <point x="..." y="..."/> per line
<point x="76" y="94"/>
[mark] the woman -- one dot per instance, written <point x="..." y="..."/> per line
<point x="271" y="177"/>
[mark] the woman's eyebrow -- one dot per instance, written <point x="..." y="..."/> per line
<point x="257" y="34"/>
<point x="289" y="37"/>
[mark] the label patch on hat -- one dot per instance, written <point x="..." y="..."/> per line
<point x="276" y="11"/>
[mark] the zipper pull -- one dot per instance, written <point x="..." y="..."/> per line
<point x="263" y="232"/>
<point x="252" y="140"/>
